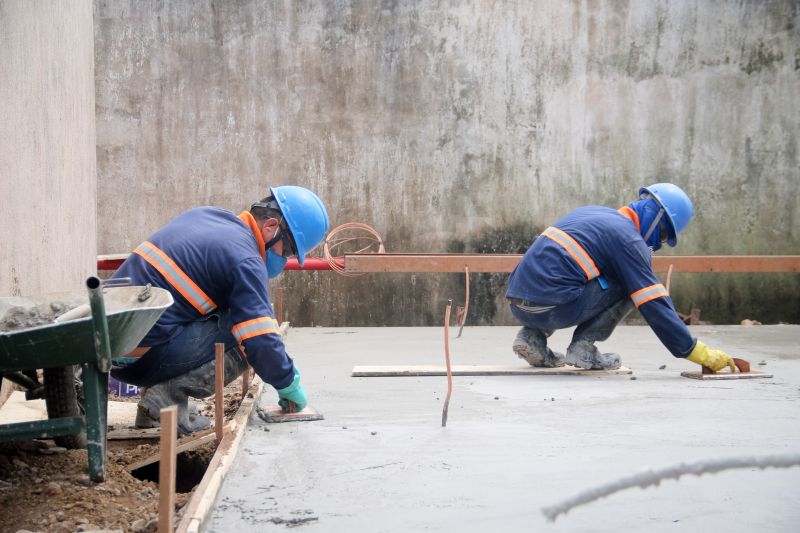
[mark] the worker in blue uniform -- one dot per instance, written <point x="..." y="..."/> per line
<point x="217" y="266"/>
<point x="590" y="269"/>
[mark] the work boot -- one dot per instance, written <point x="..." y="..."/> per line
<point x="531" y="345"/>
<point x="197" y="383"/>
<point x="582" y="351"/>
<point x="584" y="354"/>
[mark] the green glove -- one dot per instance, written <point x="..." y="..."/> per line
<point x="294" y="394"/>
<point x="716" y="360"/>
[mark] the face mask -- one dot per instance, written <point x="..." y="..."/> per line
<point x="275" y="264"/>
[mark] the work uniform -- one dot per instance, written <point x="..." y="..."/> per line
<point x="213" y="264"/>
<point x="585" y="263"/>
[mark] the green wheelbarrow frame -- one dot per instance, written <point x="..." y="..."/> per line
<point x="116" y="325"/>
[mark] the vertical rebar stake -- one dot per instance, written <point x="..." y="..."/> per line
<point x="447" y="360"/>
<point x="463" y="318"/>
<point x="669" y="277"/>
<point x="279" y="306"/>
<point x="219" y="389"/>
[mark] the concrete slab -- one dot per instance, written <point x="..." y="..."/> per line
<point x="380" y="461"/>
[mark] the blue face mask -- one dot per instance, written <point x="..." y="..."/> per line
<point x="275" y="264"/>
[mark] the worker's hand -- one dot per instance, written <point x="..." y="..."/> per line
<point x="293" y="394"/>
<point x="716" y="360"/>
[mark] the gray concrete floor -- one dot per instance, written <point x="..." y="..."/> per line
<point x="380" y="461"/>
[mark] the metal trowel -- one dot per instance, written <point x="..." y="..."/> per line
<point x="743" y="367"/>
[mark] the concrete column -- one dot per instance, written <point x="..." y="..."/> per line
<point x="47" y="146"/>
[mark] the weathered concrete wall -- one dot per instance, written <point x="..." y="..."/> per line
<point x="47" y="145"/>
<point x="455" y="125"/>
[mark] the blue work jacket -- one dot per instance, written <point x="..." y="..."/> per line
<point x="596" y="241"/>
<point x="210" y="259"/>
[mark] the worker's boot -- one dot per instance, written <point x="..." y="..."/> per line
<point x="582" y="351"/>
<point x="531" y="345"/>
<point x="197" y="383"/>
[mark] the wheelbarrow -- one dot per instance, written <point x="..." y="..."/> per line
<point x="108" y="324"/>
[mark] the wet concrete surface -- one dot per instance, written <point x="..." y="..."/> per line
<point x="381" y="462"/>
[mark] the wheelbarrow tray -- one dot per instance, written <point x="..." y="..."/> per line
<point x="72" y="341"/>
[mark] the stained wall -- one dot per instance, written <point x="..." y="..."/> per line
<point x="457" y="126"/>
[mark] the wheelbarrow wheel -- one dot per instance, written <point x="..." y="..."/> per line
<point x="61" y="394"/>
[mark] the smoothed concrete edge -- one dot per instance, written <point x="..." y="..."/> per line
<point x="201" y="502"/>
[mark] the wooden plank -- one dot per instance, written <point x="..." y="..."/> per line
<point x="507" y="262"/>
<point x="726" y="375"/>
<point x="479" y="370"/>
<point x="134" y="434"/>
<point x="430" y="262"/>
<point x="167" y="468"/>
<point x="189" y="443"/>
<point x="196" y="511"/>
<point x="728" y="263"/>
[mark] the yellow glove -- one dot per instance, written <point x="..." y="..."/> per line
<point x="716" y="360"/>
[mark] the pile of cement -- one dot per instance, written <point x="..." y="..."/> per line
<point x="19" y="313"/>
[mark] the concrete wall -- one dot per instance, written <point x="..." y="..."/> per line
<point x="457" y="126"/>
<point x="47" y="146"/>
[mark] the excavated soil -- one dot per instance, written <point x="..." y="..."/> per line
<point x="46" y="488"/>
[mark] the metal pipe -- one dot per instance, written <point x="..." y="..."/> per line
<point x="102" y="343"/>
<point x="22" y="380"/>
<point x="311" y="263"/>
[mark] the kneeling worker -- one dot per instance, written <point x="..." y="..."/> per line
<point x="217" y="266"/>
<point x="590" y="268"/>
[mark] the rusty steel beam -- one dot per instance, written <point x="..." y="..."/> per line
<point x="507" y="262"/>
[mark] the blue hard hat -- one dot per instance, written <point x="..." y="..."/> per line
<point x="305" y="215"/>
<point x="677" y="207"/>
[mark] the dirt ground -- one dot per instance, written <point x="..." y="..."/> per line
<point x="46" y="488"/>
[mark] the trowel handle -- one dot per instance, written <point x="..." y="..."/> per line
<point x="288" y="406"/>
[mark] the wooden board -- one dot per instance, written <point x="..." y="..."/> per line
<point x="479" y="370"/>
<point x="726" y="375"/>
<point x="274" y="413"/>
<point x="186" y="444"/>
<point x="134" y="434"/>
<point x="507" y="262"/>
<point x="205" y="494"/>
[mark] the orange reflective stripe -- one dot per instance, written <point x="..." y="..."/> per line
<point x="642" y="296"/>
<point x="631" y="214"/>
<point x="176" y="277"/>
<point x="258" y="326"/>
<point x="574" y="249"/>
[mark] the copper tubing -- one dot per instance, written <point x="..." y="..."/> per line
<point x="447" y="360"/>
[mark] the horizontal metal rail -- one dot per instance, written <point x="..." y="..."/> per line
<point x="507" y="263"/>
<point x="361" y="263"/>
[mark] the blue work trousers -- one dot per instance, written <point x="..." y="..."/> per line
<point x="593" y="300"/>
<point x="189" y="349"/>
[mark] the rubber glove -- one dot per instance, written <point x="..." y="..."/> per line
<point x="716" y="360"/>
<point x="293" y="394"/>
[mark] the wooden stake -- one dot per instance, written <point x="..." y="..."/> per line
<point x="219" y="389"/>
<point x="167" y="468"/>
<point x="245" y="382"/>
